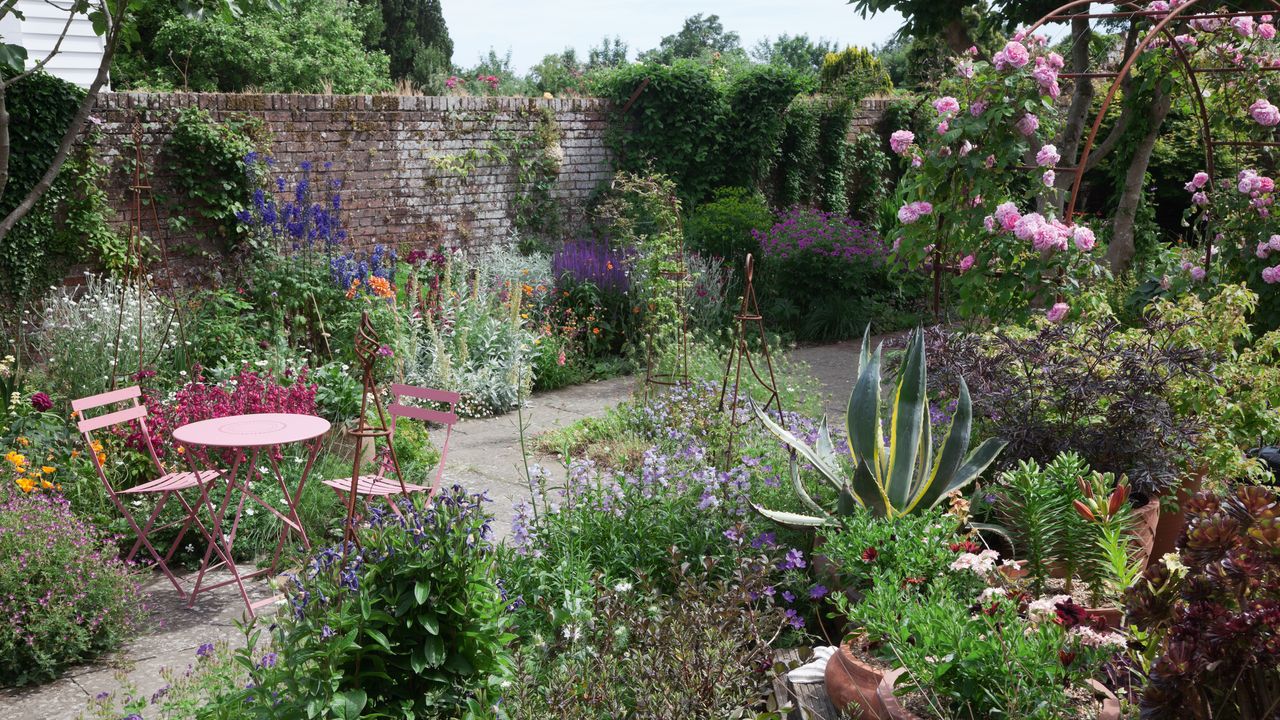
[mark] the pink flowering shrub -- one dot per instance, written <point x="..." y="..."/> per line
<point x="973" y="206"/>
<point x="64" y="594"/>
<point x="244" y="393"/>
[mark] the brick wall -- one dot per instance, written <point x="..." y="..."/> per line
<point x="389" y="150"/>
<point x="394" y="154"/>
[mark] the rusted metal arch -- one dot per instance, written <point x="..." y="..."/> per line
<point x="1163" y="20"/>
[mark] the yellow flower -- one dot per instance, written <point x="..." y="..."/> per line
<point x="97" y="446"/>
<point x="23" y="441"/>
<point x="102" y="458"/>
<point x="18" y="459"/>
<point x="46" y="485"/>
<point x="47" y="470"/>
<point x="26" y="485"/>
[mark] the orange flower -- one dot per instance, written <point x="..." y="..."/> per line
<point x="381" y="287"/>
<point x="595" y="331"/>
<point x="351" y="291"/>
<point x="47" y="470"/>
<point x="609" y="265"/>
<point x="528" y="289"/>
<point x="26" y="485"/>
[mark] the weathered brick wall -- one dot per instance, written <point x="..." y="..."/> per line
<point x="399" y="156"/>
<point x="869" y="115"/>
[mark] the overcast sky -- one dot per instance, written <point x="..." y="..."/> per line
<point x="534" y="28"/>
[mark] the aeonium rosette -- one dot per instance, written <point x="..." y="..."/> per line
<point x="979" y="194"/>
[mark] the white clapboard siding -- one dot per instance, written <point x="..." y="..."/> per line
<point x="80" y="53"/>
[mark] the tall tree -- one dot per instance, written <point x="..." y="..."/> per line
<point x="611" y="52"/>
<point x="416" y="38"/>
<point x="701" y="35"/>
<point x="797" y="52"/>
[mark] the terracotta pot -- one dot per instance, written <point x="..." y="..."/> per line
<point x="1144" y="531"/>
<point x="1110" y="709"/>
<point x="1172" y="521"/>
<point x="852" y="685"/>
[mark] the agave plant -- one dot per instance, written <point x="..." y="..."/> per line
<point x="893" y="478"/>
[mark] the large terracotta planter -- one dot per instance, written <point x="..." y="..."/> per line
<point x="1173" y="521"/>
<point x="1110" y="709"/>
<point x="852" y="685"/>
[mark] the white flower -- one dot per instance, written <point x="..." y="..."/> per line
<point x="1045" y="608"/>
<point x="622" y="587"/>
<point x="991" y="592"/>
<point x="983" y="563"/>
<point x="1089" y="637"/>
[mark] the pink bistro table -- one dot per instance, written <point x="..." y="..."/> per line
<point x="249" y="436"/>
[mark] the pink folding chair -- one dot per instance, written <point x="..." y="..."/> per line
<point x="379" y="484"/>
<point x="167" y="485"/>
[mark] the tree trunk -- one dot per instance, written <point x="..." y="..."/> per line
<point x="956" y="35"/>
<point x="73" y="132"/>
<point x="1081" y="101"/>
<point x="1121" y="250"/>
<point x="4" y="141"/>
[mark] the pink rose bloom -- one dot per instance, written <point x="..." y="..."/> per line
<point x="1058" y="312"/>
<point x="1028" y="226"/>
<point x="1185" y="40"/>
<point x="1007" y="215"/>
<point x="972" y="51"/>
<point x="1028" y="124"/>
<point x="966" y="263"/>
<point x="946" y="105"/>
<point x="989" y="223"/>
<point x="1267" y="31"/>
<point x="1197" y="273"/>
<point x="1206" y="24"/>
<point x="1248" y="182"/>
<point x="1159" y="6"/>
<point x="1274" y="242"/>
<point x="1048" y="178"/>
<point x="1047" y="77"/>
<point x="1200" y="199"/>
<point x="1271" y="275"/>
<point x="1050" y="235"/>
<point x="916" y="161"/>
<point x="912" y="212"/>
<point x="1055" y="61"/>
<point x="1048" y="156"/>
<point x="900" y="140"/>
<point x="1243" y="26"/>
<point x="966" y="147"/>
<point x="1266" y="185"/>
<point x="1186" y="265"/>
<point x="1264" y="113"/>
<point x="1263" y="251"/>
<point x="1013" y="56"/>
<point x="977" y="108"/>
<point x="1197" y="181"/>
<point x="989" y="162"/>
<point x="1084" y="238"/>
<point x="943" y="127"/>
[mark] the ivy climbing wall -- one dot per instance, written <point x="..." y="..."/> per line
<point x="463" y="171"/>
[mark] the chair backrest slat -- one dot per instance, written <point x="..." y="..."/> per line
<point x="106" y="398"/>
<point x="424" y="414"/>
<point x="113" y="418"/>
<point x="399" y="390"/>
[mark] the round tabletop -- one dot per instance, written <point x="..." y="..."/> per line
<point x="257" y="430"/>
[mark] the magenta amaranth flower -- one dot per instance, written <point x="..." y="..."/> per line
<point x="1028" y="124"/>
<point x="946" y="105"/>
<point x="901" y="140"/>
<point x="41" y="402"/>
<point x="1013" y="56"/>
<point x="1048" y="156"/>
<point x="1058" y="312"/>
<point x="1264" y="113"/>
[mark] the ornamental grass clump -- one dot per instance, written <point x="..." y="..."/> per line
<point x="64" y="593"/>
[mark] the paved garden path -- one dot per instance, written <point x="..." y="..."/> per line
<point x="483" y="455"/>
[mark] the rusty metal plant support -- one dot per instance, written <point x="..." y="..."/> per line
<point x="1162" y="21"/>
<point x="678" y="375"/>
<point x="142" y="199"/>
<point x="741" y="354"/>
<point x="366" y="352"/>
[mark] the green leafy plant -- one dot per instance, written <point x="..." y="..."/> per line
<point x="723" y="227"/>
<point x="901" y="476"/>
<point x="853" y="73"/>
<point x="410" y="624"/>
<point x="1105" y="506"/>
<point x="205" y="157"/>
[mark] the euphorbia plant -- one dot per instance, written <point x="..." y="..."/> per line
<point x="894" y="478"/>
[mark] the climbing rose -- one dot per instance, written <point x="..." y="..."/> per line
<point x="1267" y="31"/>
<point x="942" y="128"/>
<point x="1048" y="178"/>
<point x="1197" y="273"/>
<point x="1197" y="181"/>
<point x="1014" y="55"/>
<point x="1249" y="182"/>
<point x="1271" y="275"/>
<point x="1058" y="312"/>
<point x="946" y="105"/>
<point x="1243" y="26"/>
<point x="1007" y="215"/>
<point x="966" y="263"/>
<point x="912" y="212"/>
<point x="1263" y="251"/>
<point x="1026" y="227"/>
<point x="1028" y="124"/>
<point x="1274" y="242"/>
<point x="900" y="140"/>
<point x="1084" y="238"/>
<point x="1200" y="198"/>
<point x="1048" y="156"/>
<point x="1264" y="113"/>
<point x="977" y="108"/>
